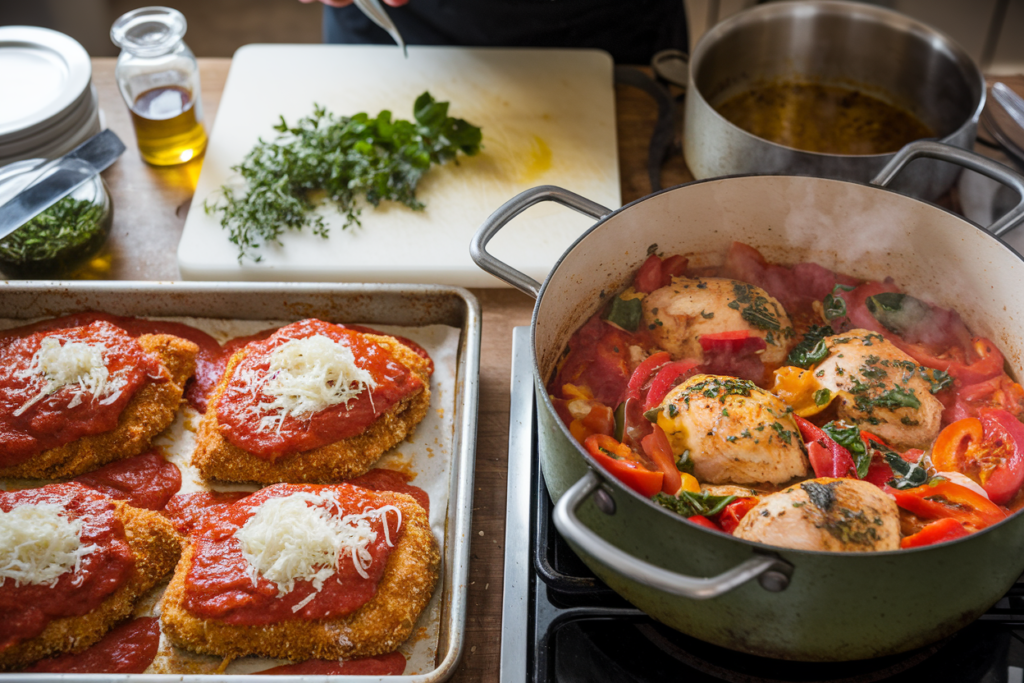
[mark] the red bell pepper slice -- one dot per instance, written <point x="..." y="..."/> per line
<point x="658" y="449"/>
<point x="946" y="499"/>
<point x="989" y="450"/>
<point x="730" y="517"/>
<point x="624" y="464"/>
<point x="701" y="520"/>
<point x="828" y="459"/>
<point x="644" y="371"/>
<point x="733" y="353"/>
<point x="667" y="378"/>
<point x="947" y="529"/>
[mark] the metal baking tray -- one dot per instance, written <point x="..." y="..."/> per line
<point x="382" y="304"/>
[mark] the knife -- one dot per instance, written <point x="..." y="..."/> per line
<point x="375" y="11"/>
<point x="54" y="180"/>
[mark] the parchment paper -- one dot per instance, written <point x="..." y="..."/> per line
<point x="427" y="455"/>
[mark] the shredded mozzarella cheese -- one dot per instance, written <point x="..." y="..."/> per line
<point x="296" y="537"/>
<point x="38" y="545"/>
<point x="306" y="376"/>
<point x="74" y="364"/>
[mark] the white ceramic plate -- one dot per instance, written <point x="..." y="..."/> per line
<point x="43" y="73"/>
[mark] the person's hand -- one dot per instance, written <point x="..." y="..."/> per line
<point x="343" y="3"/>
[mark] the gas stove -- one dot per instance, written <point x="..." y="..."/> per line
<point x="560" y="623"/>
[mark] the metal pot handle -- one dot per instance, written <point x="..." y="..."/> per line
<point x="771" y="571"/>
<point x="975" y="162"/>
<point x="509" y="210"/>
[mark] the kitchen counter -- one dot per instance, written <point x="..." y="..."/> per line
<point x="150" y="209"/>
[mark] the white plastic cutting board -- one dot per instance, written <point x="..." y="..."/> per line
<point x="548" y="117"/>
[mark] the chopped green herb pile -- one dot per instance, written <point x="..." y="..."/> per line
<point x="60" y="232"/>
<point x="345" y="157"/>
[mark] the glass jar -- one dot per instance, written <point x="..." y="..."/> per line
<point x="61" y="239"/>
<point x="159" y="79"/>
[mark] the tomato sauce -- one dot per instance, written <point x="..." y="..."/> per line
<point x="212" y="357"/>
<point x="27" y="429"/>
<point x="145" y="481"/>
<point x="218" y="586"/>
<point x="391" y="664"/>
<point x="26" y="609"/>
<point x="379" y="479"/>
<point x="239" y="413"/>
<point x="188" y="511"/>
<point x="128" y="649"/>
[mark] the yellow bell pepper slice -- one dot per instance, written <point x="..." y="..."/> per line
<point x="800" y="390"/>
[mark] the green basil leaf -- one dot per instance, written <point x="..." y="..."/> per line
<point x="848" y="436"/>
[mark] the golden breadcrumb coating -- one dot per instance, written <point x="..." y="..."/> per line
<point x="217" y="458"/>
<point x="150" y="411"/>
<point x="378" y="627"/>
<point x="156" y="547"/>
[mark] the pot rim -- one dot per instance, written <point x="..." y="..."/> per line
<point x="619" y="486"/>
<point x="889" y="17"/>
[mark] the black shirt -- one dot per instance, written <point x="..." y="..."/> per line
<point x="631" y="30"/>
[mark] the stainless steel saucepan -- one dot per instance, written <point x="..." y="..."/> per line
<point x="849" y="44"/>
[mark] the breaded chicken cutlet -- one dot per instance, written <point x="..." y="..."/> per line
<point x="151" y="410"/>
<point x="155" y="548"/>
<point x="378" y="626"/>
<point x="216" y="457"/>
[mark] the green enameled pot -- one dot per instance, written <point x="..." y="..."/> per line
<point x="776" y="602"/>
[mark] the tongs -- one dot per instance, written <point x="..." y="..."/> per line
<point x="375" y="11"/>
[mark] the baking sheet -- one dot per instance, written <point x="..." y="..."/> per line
<point x="427" y="455"/>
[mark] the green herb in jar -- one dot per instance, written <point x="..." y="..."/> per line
<point x="57" y="240"/>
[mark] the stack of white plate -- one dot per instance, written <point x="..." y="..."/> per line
<point x="48" y="104"/>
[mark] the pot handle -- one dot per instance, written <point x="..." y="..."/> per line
<point x="960" y="157"/>
<point x="509" y="210"/>
<point x="772" y="572"/>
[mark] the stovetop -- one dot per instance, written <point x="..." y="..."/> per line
<point x="560" y="623"/>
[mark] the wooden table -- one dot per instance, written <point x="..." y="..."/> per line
<point x="151" y="205"/>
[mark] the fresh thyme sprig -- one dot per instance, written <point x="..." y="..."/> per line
<point x="342" y="157"/>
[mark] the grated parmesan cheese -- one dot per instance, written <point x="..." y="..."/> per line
<point x="306" y="376"/>
<point x="296" y="537"/>
<point x="38" y="545"/>
<point x="75" y="364"/>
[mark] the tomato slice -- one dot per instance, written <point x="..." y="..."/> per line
<point x="730" y="517"/>
<point x="946" y="499"/>
<point x="657" y="448"/>
<point x="940" y="531"/>
<point x="673" y="266"/>
<point x="667" y="378"/>
<point x="624" y="464"/>
<point x="649" y="277"/>
<point x="989" y="450"/>
<point x="1006" y="436"/>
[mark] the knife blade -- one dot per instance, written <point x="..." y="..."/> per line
<point x="56" y="179"/>
<point x="375" y="11"/>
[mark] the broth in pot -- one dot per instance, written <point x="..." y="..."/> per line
<point x="826" y="119"/>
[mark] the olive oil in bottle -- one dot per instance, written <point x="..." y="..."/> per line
<point x="159" y="80"/>
<point x="166" y="126"/>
